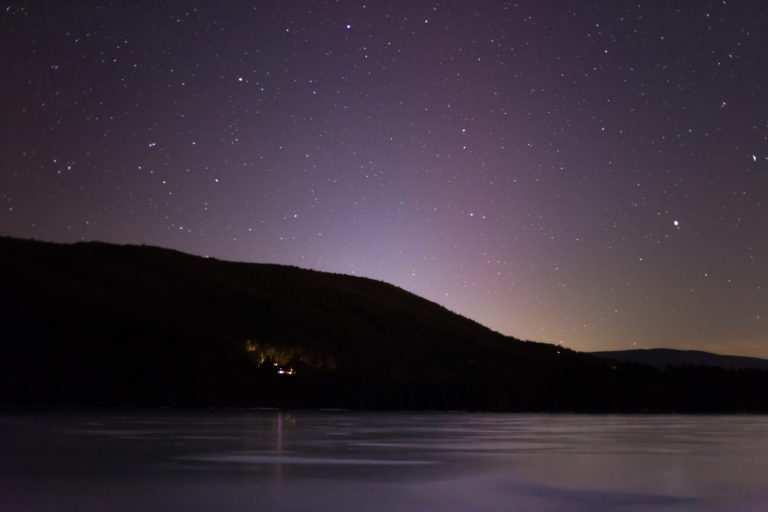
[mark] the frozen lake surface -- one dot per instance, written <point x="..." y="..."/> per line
<point x="348" y="461"/>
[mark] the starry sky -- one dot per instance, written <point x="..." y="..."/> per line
<point x="591" y="173"/>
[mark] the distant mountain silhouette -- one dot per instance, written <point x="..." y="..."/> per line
<point x="100" y="324"/>
<point x="661" y="357"/>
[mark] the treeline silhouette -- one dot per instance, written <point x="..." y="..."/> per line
<point x="663" y="357"/>
<point x="100" y="324"/>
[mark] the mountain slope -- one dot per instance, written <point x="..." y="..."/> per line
<point x="126" y="321"/>
<point x="94" y="323"/>
<point x="661" y="357"/>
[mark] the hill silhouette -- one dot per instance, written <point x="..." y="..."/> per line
<point x="100" y="324"/>
<point x="663" y="357"/>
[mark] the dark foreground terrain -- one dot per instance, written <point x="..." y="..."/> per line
<point x="100" y="324"/>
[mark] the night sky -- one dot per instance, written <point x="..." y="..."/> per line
<point x="587" y="173"/>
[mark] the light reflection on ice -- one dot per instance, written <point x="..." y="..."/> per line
<point x="283" y="459"/>
<point x="342" y="461"/>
